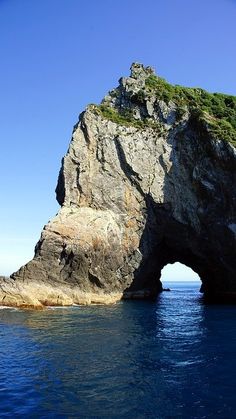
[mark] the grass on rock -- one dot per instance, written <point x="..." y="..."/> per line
<point x="216" y="110"/>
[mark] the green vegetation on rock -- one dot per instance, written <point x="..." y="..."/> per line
<point x="125" y="117"/>
<point x="216" y="109"/>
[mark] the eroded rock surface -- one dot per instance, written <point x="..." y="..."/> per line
<point x="146" y="181"/>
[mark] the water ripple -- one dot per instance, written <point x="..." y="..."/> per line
<point x="171" y="359"/>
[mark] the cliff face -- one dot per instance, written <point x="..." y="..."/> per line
<point x="149" y="179"/>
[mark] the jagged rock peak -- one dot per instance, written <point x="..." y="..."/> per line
<point x="139" y="72"/>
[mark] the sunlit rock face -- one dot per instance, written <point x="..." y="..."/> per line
<point x="147" y="180"/>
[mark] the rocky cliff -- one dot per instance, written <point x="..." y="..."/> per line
<point x="149" y="179"/>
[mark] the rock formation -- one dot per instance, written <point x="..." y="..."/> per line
<point x="149" y="179"/>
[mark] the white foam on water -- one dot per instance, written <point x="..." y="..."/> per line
<point x="9" y="308"/>
<point x="62" y="307"/>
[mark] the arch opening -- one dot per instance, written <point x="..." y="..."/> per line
<point x="166" y="241"/>
<point x="178" y="272"/>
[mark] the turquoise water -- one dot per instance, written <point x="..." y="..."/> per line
<point x="175" y="358"/>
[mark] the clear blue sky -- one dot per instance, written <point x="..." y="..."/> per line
<point x="59" y="55"/>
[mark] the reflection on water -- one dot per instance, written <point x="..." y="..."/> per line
<point x="171" y="359"/>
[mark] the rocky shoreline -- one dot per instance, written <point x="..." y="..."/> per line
<point x="38" y="296"/>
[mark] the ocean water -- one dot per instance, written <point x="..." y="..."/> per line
<point x="173" y="358"/>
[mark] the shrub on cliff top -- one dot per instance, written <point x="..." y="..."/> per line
<point x="125" y="117"/>
<point x="221" y="107"/>
<point x="217" y="110"/>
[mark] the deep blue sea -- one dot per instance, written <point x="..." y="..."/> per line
<point x="173" y="358"/>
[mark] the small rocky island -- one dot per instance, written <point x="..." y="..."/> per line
<point x="149" y="179"/>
